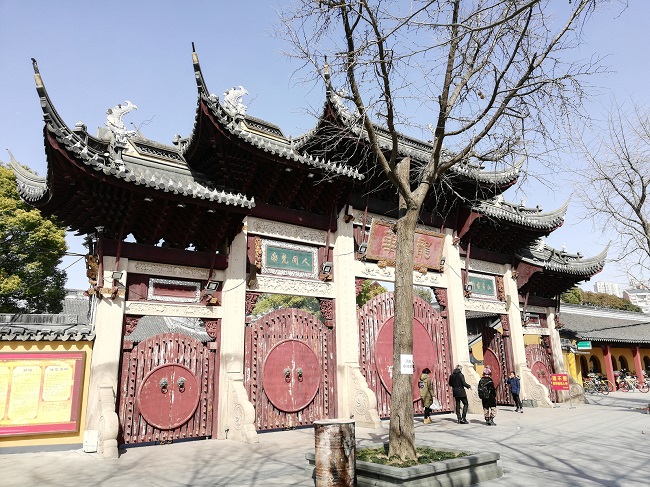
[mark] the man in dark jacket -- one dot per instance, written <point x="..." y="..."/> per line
<point x="515" y="386"/>
<point x="458" y="385"/>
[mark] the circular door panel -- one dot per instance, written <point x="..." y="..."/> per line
<point x="424" y="354"/>
<point x="291" y="375"/>
<point x="540" y="371"/>
<point x="168" y="396"/>
<point x="490" y="360"/>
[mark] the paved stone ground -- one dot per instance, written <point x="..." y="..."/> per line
<point x="605" y="442"/>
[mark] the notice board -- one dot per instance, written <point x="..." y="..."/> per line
<point x="40" y="392"/>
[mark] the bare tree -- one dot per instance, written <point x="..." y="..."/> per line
<point x="486" y="78"/>
<point x="614" y="186"/>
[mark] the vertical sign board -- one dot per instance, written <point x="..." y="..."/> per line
<point x="40" y="392"/>
<point x="560" y="382"/>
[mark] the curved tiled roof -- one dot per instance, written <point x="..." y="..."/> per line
<point x="156" y="170"/>
<point x="258" y="133"/>
<point x="603" y="325"/>
<point x="522" y="215"/>
<point x="416" y="149"/>
<point x="541" y="254"/>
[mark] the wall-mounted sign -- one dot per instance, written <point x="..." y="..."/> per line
<point x="407" y="366"/>
<point x="583" y="345"/>
<point x="382" y="245"/>
<point x="40" y="392"/>
<point x="482" y="285"/>
<point x="287" y="259"/>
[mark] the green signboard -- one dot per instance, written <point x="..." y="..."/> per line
<point x="482" y="285"/>
<point x="289" y="259"/>
<point x="583" y="345"/>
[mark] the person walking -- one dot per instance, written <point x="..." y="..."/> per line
<point x="488" y="394"/>
<point x="458" y="385"/>
<point x="426" y="394"/>
<point x="515" y="387"/>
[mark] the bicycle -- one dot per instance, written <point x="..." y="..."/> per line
<point x="631" y="384"/>
<point x="595" y="386"/>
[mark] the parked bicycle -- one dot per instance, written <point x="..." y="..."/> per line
<point x="631" y="384"/>
<point x="594" y="385"/>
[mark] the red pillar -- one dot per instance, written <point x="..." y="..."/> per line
<point x="607" y="358"/>
<point x="638" y="368"/>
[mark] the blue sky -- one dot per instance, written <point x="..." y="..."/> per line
<point x="93" y="55"/>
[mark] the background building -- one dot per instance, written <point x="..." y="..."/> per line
<point x="608" y="288"/>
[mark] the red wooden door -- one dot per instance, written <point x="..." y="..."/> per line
<point x="540" y="363"/>
<point x="167" y="389"/>
<point x="497" y="354"/>
<point x="290" y="369"/>
<point x="430" y="349"/>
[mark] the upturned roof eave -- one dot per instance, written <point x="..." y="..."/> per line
<point x="79" y="150"/>
<point x="418" y="150"/>
<point x="278" y="146"/>
<point x="542" y="222"/>
<point x="577" y="266"/>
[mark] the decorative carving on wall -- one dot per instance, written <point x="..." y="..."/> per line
<point x="363" y="403"/>
<point x="369" y="270"/>
<point x="286" y="231"/>
<point x="514" y="275"/>
<point x="154" y="283"/>
<point x="533" y="389"/>
<point x="501" y="293"/>
<point x="251" y="301"/>
<point x="258" y="253"/>
<point x="241" y="413"/>
<point x="327" y="310"/>
<point x="536" y="309"/>
<point x="284" y="285"/>
<point x="487" y="306"/>
<point x="168" y="270"/>
<point x="505" y="325"/>
<point x="130" y="323"/>
<point x="109" y="424"/>
<point x="358" y="286"/>
<point x="212" y="327"/>
<point x="482" y="266"/>
<point x="163" y="309"/>
<point x="441" y="296"/>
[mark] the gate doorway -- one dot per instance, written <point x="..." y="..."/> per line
<point x="168" y="385"/>
<point x="540" y="363"/>
<point x="290" y="369"/>
<point x="497" y="354"/>
<point x="431" y="348"/>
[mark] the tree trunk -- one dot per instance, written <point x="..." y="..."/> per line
<point x="402" y="434"/>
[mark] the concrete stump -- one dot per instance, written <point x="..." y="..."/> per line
<point x="335" y="456"/>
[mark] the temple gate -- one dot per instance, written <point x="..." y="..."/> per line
<point x="497" y="354"/>
<point x="290" y="369"/>
<point x="167" y="389"/>
<point x="431" y="348"/>
<point x="540" y="363"/>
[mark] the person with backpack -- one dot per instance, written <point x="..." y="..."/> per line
<point x="488" y="394"/>
<point x="458" y="386"/>
<point x="426" y="394"/>
<point x="515" y="386"/>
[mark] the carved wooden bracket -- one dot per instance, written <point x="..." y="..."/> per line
<point x="327" y="310"/>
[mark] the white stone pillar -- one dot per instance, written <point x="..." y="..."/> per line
<point x="105" y="361"/>
<point x="236" y="413"/>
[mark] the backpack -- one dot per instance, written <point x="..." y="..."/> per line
<point x="483" y="391"/>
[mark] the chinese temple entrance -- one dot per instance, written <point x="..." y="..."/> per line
<point x="431" y="349"/>
<point x="167" y="389"/>
<point x="540" y="363"/>
<point x="290" y="369"/>
<point x="497" y="354"/>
